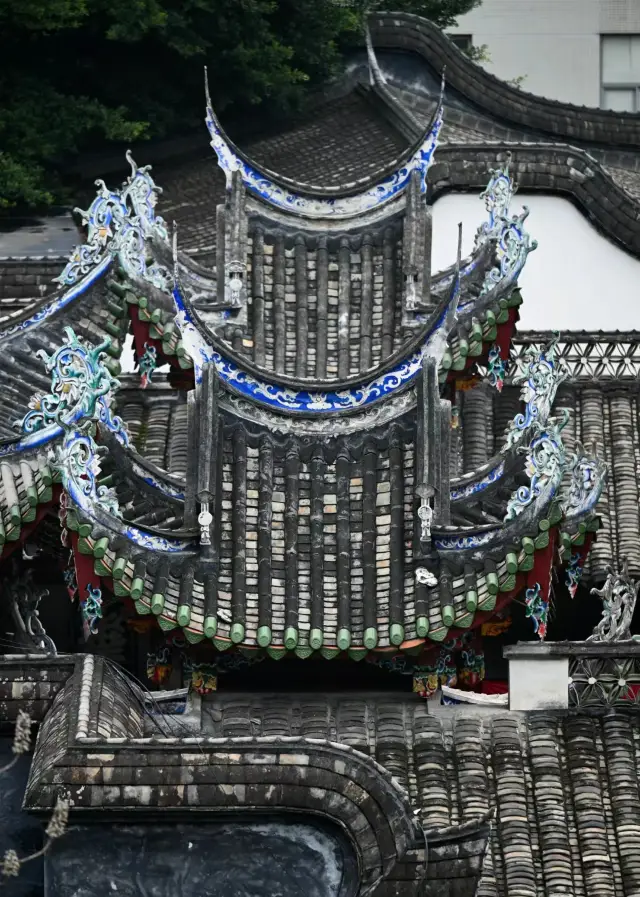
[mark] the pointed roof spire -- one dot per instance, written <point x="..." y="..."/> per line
<point x="174" y="250"/>
<point x="375" y="72"/>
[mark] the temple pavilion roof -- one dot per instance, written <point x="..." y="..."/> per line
<point x="345" y="515"/>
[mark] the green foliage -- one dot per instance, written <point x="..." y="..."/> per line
<point x="442" y="13"/>
<point x="77" y="73"/>
<point x="478" y="53"/>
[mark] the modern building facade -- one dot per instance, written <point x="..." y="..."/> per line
<point x="585" y="52"/>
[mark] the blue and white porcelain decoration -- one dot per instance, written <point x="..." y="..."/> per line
<point x="78" y="460"/>
<point x="539" y="374"/>
<point x="303" y="401"/>
<point x="118" y="224"/>
<point x="588" y="477"/>
<point x="544" y="466"/>
<point x="82" y="388"/>
<point x="460" y="492"/>
<point x="316" y="207"/>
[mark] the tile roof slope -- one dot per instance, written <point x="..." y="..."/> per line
<point x="602" y="400"/>
<point x="357" y="137"/>
<point x="563" y="786"/>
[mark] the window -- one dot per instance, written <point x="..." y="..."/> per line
<point x="620" y="67"/>
<point x="462" y="41"/>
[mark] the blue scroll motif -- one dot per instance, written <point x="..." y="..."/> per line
<point x="545" y="466"/>
<point x="59" y="303"/>
<point x="78" y="461"/>
<point x="588" y="477"/>
<point x="91" y="610"/>
<point x="31" y="441"/>
<point x="497" y="197"/>
<point x="575" y="568"/>
<point x="315" y="207"/>
<point x="283" y="399"/>
<point x="119" y="222"/>
<point x="162" y="486"/>
<point x="461" y="543"/>
<point x="512" y="248"/>
<point x="539" y="374"/>
<point x="478" y="485"/>
<point x="537" y="608"/>
<point x="496" y="368"/>
<point x="81" y="389"/>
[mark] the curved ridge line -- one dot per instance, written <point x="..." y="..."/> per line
<point x="311" y="205"/>
<point x="604" y="191"/>
<point x="496" y="96"/>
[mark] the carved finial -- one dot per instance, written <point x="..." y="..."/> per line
<point x="207" y="95"/>
<point x="174" y="248"/>
<point x="459" y="256"/>
<point x="24" y="597"/>
<point x="375" y="72"/>
<point x="103" y="190"/>
<point x="131" y="161"/>
<point x="443" y="84"/>
<point x="619" y="595"/>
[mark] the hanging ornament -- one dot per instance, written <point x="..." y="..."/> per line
<point x="574" y="572"/>
<point x="91" y="609"/>
<point x="147" y="365"/>
<point x="204" y="679"/>
<point x="159" y="666"/>
<point x="497" y="368"/>
<point x="537" y="609"/>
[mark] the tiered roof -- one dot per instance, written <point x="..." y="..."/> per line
<point x="324" y="474"/>
<point x="325" y="358"/>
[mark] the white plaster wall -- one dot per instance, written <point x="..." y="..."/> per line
<point x="539" y="683"/>
<point x="555" y="43"/>
<point x="575" y="280"/>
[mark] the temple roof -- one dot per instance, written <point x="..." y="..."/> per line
<point x="556" y="783"/>
<point x="324" y="357"/>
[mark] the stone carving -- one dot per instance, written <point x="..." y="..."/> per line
<point x="235" y="292"/>
<point x="25" y="597"/>
<point x="425" y="515"/>
<point x="618" y="595"/>
<point x="426" y="577"/>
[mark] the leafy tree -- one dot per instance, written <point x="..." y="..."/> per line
<point x="77" y="73"/>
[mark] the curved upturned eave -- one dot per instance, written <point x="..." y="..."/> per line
<point x="409" y="32"/>
<point x="340" y="201"/>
